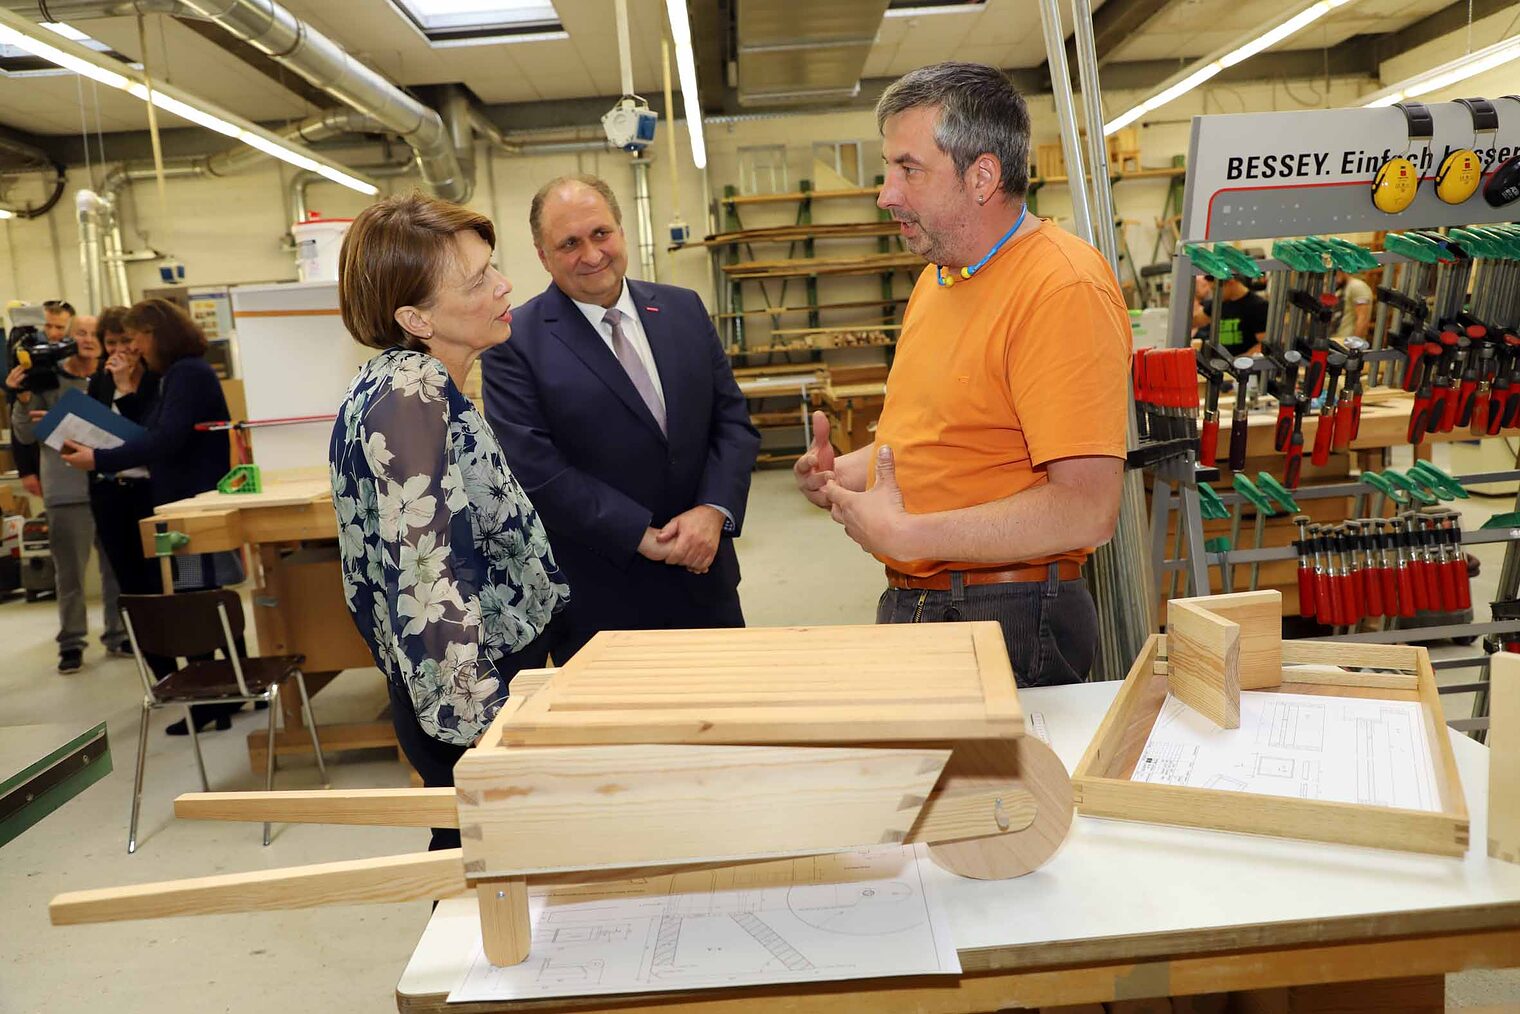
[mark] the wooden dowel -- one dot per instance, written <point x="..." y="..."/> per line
<point x="380" y="807"/>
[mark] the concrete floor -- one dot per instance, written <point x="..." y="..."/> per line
<point x="799" y="568"/>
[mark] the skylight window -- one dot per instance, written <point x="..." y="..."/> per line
<point x="478" y="22"/>
<point x="914" y="8"/>
<point x="17" y="62"/>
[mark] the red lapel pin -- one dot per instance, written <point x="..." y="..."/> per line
<point x="652" y="309"/>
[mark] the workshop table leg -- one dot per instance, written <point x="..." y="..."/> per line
<point x="505" y="929"/>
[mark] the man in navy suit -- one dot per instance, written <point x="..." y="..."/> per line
<point x="618" y="413"/>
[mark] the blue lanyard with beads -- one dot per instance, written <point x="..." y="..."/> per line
<point x="950" y="279"/>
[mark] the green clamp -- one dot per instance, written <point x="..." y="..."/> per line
<point x="1290" y="253"/>
<point x="242" y="479"/>
<point x="1277" y="491"/>
<point x="1439" y="479"/>
<point x="1473" y="243"/>
<point x="1210" y="507"/>
<point x="1357" y="258"/>
<point x="1207" y="261"/>
<point x="1401" y="481"/>
<point x="1414" y="246"/>
<point x="166" y="542"/>
<point x="1510" y="520"/>
<point x="1242" y="263"/>
<point x="1218" y="544"/>
<point x="1243" y="485"/>
<point x="1385" y="487"/>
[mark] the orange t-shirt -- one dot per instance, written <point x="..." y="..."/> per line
<point x="1024" y="363"/>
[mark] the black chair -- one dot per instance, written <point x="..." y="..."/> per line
<point x="194" y="626"/>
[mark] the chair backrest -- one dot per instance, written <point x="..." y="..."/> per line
<point x="185" y="626"/>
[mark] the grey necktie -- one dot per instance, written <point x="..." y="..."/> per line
<point x="633" y="365"/>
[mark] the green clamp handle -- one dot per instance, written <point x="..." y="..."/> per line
<point x="1411" y="245"/>
<point x="1510" y="520"/>
<point x="1401" y="481"/>
<point x="1241" y="262"/>
<point x="1218" y="544"/>
<point x="1385" y="487"/>
<point x="1277" y="491"/>
<point x="1210" y="507"/>
<point x="1357" y="257"/>
<point x="1290" y="253"/>
<point x="1472" y="242"/>
<point x="1243" y="485"/>
<point x="165" y="543"/>
<point x="1437" y="477"/>
<point x="1207" y="261"/>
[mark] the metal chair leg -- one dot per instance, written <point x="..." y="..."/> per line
<point x="274" y="711"/>
<point x="311" y="726"/>
<point x="195" y="740"/>
<point x="137" y="783"/>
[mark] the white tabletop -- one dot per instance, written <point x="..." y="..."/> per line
<point x="1118" y="879"/>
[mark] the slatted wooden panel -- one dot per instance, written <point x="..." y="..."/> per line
<point x="939" y="681"/>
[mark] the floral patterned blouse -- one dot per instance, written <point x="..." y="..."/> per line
<point x="446" y="566"/>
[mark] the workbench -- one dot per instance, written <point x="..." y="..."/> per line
<point x="290" y="531"/>
<point x="1126" y="911"/>
<point x="853" y="411"/>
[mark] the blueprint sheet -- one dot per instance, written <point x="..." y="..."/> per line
<point x="1337" y="749"/>
<point x="848" y="915"/>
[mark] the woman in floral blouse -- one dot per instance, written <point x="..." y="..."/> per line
<point x="446" y="567"/>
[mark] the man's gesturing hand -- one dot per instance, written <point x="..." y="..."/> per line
<point x="691" y="539"/>
<point x="876" y="518"/>
<point x="815" y="469"/>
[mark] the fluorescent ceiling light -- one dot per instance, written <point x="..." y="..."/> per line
<point x="71" y="55"/>
<point x="912" y="9"/>
<point x="7" y="214"/>
<point x="1448" y="74"/>
<point x="686" y="69"/>
<point x="445" y="42"/>
<point x="1288" y="24"/>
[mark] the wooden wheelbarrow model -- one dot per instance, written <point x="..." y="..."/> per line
<point x="660" y="749"/>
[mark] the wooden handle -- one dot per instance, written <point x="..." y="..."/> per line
<point x="381" y="807"/>
<point x="411" y="877"/>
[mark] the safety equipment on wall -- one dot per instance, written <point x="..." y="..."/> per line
<point x="1398" y="180"/>
<point x="1461" y="172"/>
<point x="1503" y="186"/>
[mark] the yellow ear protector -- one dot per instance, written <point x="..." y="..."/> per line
<point x="1461" y="172"/>
<point x="1398" y="179"/>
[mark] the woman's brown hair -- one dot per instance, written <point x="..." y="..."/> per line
<point x="392" y="257"/>
<point x="113" y="320"/>
<point x="175" y="335"/>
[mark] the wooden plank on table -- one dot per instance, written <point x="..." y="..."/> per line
<point x="1204" y="663"/>
<point x="377" y="807"/>
<point x="1109" y="743"/>
<point x="1336" y="676"/>
<point x="1384" y="656"/>
<point x="1259" y="615"/>
<point x="1453" y="800"/>
<point x="1504" y="757"/>
<point x="358" y="881"/>
<point x="586" y="807"/>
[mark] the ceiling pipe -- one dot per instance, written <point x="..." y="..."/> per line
<point x="296" y="190"/>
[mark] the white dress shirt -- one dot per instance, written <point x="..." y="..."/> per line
<point x="633" y="330"/>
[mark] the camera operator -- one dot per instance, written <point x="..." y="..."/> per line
<point x="57" y="367"/>
<point x="58" y="317"/>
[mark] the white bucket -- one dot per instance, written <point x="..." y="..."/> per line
<point x="317" y="243"/>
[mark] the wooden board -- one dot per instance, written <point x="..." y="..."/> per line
<point x="551" y="809"/>
<point x="866" y="264"/>
<point x="1203" y="652"/>
<point x="1104" y="788"/>
<point x="1504" y="757"/>
<point x="1259" y="615"/>
<point x="846" y="684"/>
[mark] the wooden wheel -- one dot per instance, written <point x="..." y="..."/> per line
<point x="1017" y="771"/>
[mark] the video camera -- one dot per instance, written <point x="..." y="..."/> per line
<point x="38" y="356"/>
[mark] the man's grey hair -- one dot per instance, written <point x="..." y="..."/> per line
<point x="980" y="111"/>
<point x="536" y="209"/>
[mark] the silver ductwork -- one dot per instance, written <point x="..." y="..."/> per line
<point x="292" y="43"/>
<point x="87" y="211"/>
<point x="815" y="52"/>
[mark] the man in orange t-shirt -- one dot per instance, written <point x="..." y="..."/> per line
<point x="1000" y="451"/>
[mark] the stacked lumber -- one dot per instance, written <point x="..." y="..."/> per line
<point x="869" y="264"/>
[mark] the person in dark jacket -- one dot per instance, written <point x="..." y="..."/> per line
<point x="181" y="460"/>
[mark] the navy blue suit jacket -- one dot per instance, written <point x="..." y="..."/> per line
<point x="182" y="461"/>
<point x="596" y="466"/>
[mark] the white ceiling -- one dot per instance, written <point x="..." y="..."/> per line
<point x="1006" y="33"/>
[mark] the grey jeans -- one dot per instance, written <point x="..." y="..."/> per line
<point x="71" y="532"/>
<point x="1050" y="626"/>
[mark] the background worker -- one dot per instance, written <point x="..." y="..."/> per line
<point x="1000" y="448"/>
<point x="1242" y="316"/>
<point x="1353" y="315"/>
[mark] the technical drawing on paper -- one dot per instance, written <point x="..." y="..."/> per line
<point x="847" y="915"/>
<point x="1337" y="749"/>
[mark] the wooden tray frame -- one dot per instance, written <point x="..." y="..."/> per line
<point x="1103" y="787"/>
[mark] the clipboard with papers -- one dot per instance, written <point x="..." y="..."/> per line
<point x="82" y="420"/>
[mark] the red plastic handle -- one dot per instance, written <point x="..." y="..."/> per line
<point x="1432" y="574"/>
<point x="1356" y="607"/>
<point x="1447" y="584"/>
<point x="1323" y="437"/>
<point x="1467" y="402"/>
<point x="1412" y="371"/>
<point x="1464" y="585"/>
<point x="1284" y="431"/>
<point x="1374" y="592"/>
<point x="1479" y="424"/>
<point x="1408" y="596"/>
<point x="1208" y="442"/>
<point x="1314" y="379"/>
<point x="1342" y="438"/>
<point x="1390" y="581"/>
<point x="1305" y="588"/>
<point x="1496" y="409"/>
<point x="1450" y="397"/>
<point x="1419" y="419"/>
<point x="1421" y="590"/>
<point x="1337" y="602"/>
<point x="1293" y="464"/>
